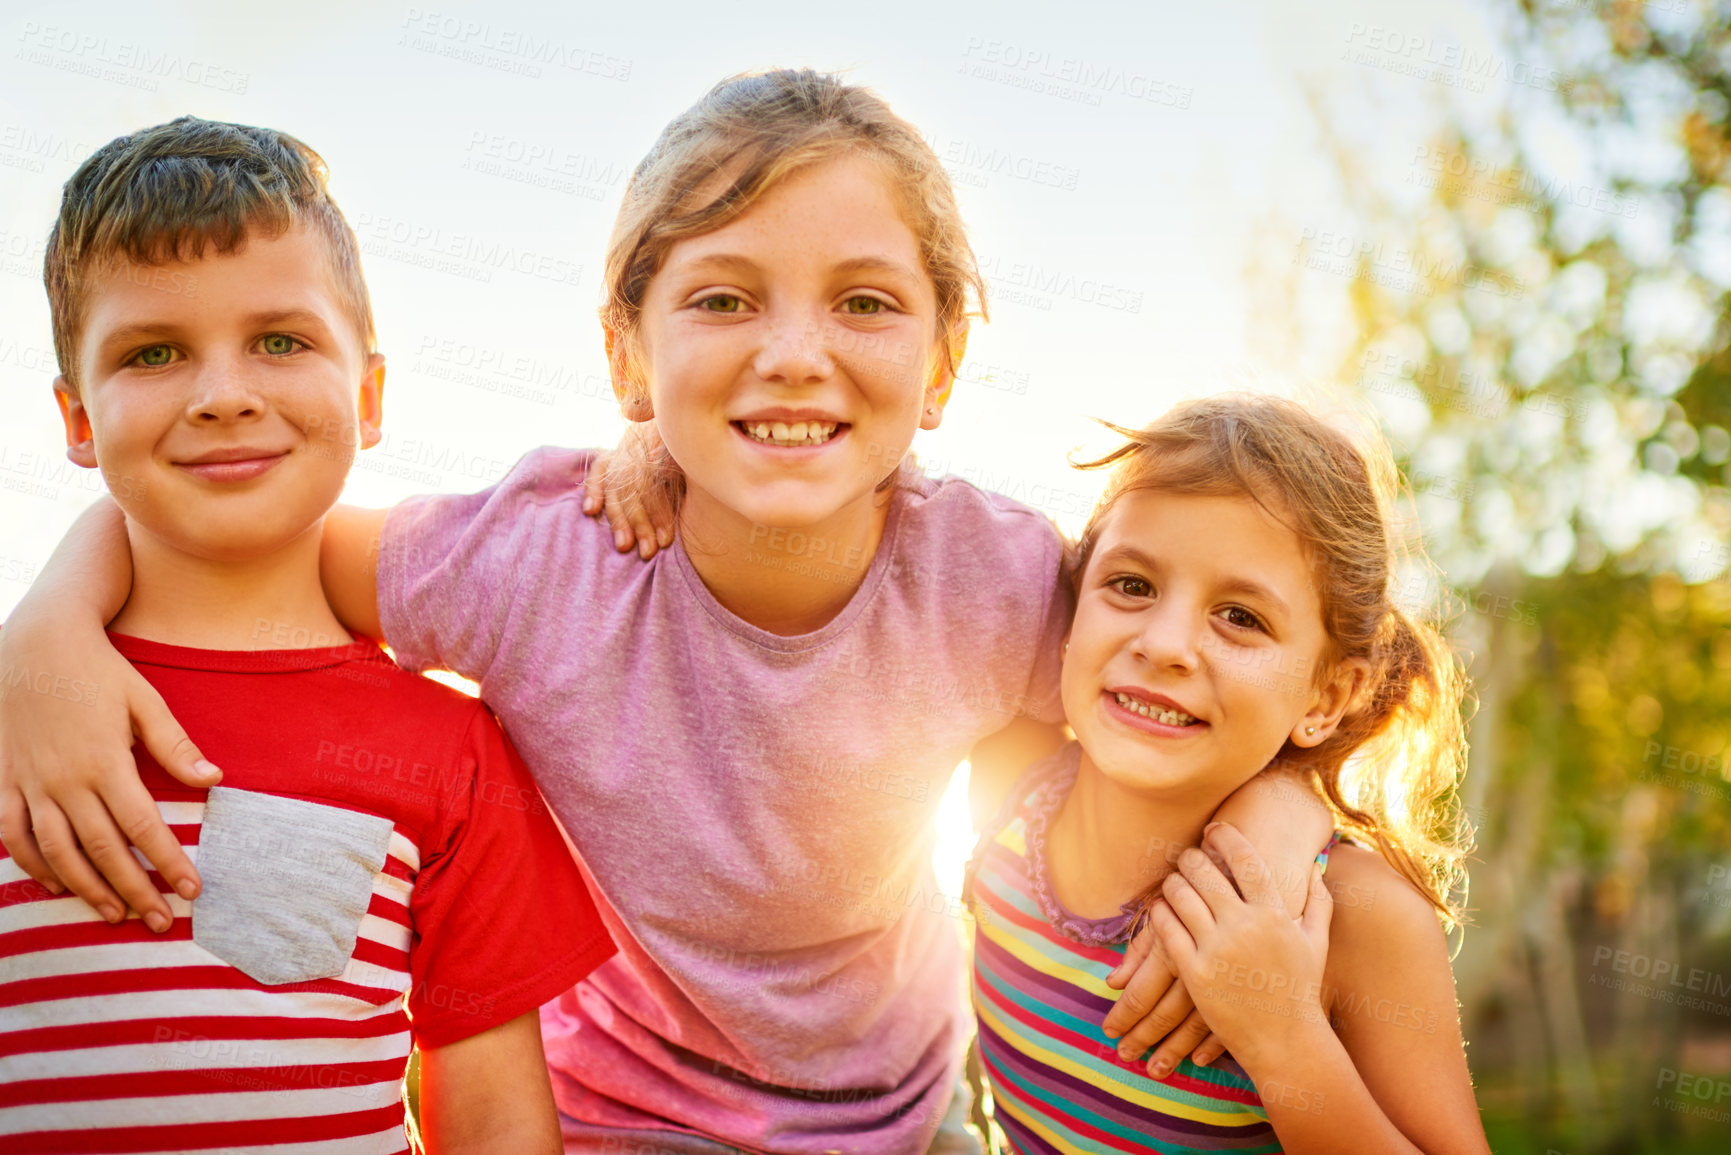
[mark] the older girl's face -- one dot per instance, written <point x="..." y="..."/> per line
<point x="790" y="355"/>
<point x="1193" y="655"/>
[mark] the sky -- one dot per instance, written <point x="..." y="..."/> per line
<point x="1123" y="169"/>
<point x="1118" y="167"/>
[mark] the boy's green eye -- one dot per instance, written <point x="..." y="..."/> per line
<point x="278" y="344"/>
<point x="156" y="356"/>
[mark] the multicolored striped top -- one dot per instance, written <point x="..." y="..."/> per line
<point x="1040" y="994"/>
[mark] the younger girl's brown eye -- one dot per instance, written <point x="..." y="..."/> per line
<point x="1132" y="586"/>
<point x="1243" y="618"/>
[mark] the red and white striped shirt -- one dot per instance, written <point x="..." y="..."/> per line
<point x="115" y="1039"/>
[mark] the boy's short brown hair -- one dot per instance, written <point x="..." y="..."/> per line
<point x="166" y="193"/>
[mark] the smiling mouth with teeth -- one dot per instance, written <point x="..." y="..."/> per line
<point x="1157" y="713"/>
<point x="799" y="433"/>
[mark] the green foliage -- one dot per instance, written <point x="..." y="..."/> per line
<point x="1546" y="332"/>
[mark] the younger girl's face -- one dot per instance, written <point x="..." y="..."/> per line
<point x="790" y="355"/>
<point x="1195" y="642"/>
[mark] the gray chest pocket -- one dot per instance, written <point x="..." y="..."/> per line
<point x="286" y="883"/>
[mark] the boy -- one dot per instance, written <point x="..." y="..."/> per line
<point x="374" y="833"/>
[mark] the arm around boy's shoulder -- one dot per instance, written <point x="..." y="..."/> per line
<point x="452" y="567"/>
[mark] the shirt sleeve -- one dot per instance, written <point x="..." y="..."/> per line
<point x="450" y="566"/>
<point x="503" y="920"/>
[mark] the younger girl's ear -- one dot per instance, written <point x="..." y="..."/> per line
<point x="1331" y="702"/>
<point x="371" y="402"/>
<point x="633" y="398"/>
<point x="80" y="441"/>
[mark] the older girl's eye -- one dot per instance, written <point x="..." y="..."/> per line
<point x="279" y="344"/>
<point x="864" y="306"/>
<point x="1242" y="618"/>
<point x="156" y="356"/>
<point x="722" y="303"/>
<point x="1132" y="586"/>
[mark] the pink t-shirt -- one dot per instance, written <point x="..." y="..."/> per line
<point x="754" y="812"/>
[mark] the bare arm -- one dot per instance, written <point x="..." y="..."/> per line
<point x="997" y="760"/>
<point x="71" y="802"/>
<point x="89" y="573"/>
<point x="1394" y="1077"/>
<point x="1395" y="1066"/>
<point x="349" y="566"/>
<point x="489" y="1094"/>
<point x="1282" y="815"/>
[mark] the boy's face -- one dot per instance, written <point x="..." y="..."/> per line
<point x="225" y="418"/>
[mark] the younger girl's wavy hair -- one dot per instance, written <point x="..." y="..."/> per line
<point x="1391" y="767"/>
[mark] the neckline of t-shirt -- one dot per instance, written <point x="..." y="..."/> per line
<point x="136" y="649"/>
<point x="795" y="643"/>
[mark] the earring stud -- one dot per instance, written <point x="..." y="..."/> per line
<point x="1310" y="729"/>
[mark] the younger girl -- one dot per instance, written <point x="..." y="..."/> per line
<point x="1232" y="612"/>
<point x="747" y="736"/>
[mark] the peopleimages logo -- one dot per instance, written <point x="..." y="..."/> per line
<point x="1395" y="267"/>
<point x="972" y="163"/>
<point x="502" y="47"/>
<point x="1478" y="178"/>
<point x="1066" y="77"/>
<point x="1025" y="282"/>
<point x="28" y="149"/>
<point x="1444" y="62"/>
<point x="466" y="255"/>
<point x="123" y="62"/>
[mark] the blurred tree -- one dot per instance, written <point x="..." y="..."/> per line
<point x="1539" y="312"/>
